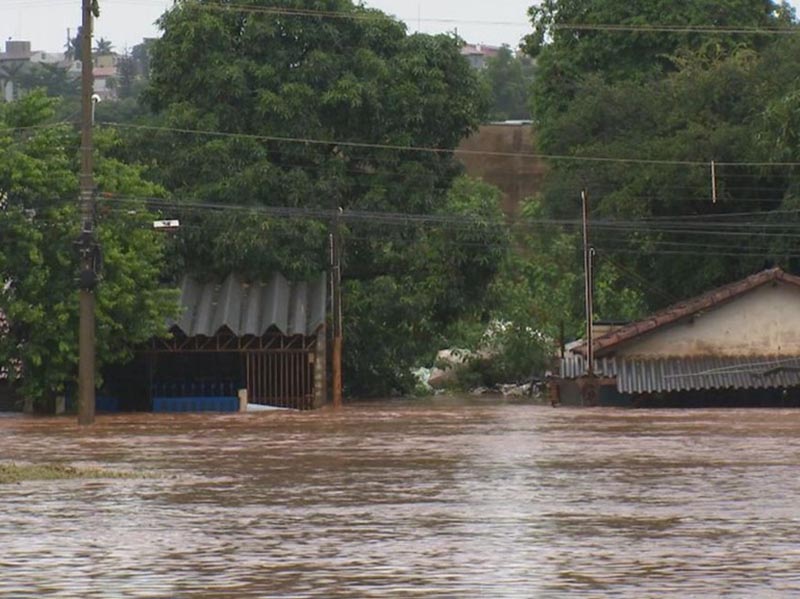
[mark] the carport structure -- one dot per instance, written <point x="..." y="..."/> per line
<point x="265" y="337"/>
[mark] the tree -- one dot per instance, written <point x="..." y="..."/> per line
<point x="11" y="72"/>
<point x="54" y="79"/>
<point x="126" y="68"/>
<point x="72" y="49"/>
<point x="510" y="80"/>
<point x="657" y="125"/>
<point x="566" y="53"/>
<point x="313" y="110"/>
<point x="103" y="47"/>
<point x="141" y="57"/>
<point x="39" y="263"/>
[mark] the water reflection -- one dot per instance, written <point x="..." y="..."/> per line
<point x="410" y="500"/>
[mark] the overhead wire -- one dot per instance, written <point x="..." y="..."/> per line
<point x="428" y="149"/>
<point x="376" y="14"/>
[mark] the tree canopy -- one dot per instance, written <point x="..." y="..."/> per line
<point x="510" y="81"/>
<point x="641" y="116"/>
<point x="311" y="112"/>
<point x="39" y="263"/>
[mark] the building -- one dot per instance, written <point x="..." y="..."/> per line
<point x="478" y="54"/>
<point x="738" y="345"/>
<point x="15" y="58"/>
<point x="19" y="57"/>
<point x="105" y="82"/>
<point x="268" y="338"/>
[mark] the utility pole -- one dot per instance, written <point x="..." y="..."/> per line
<point x="336" y="308"/>
<point x="588" y="251"/>
<point x="86" y="242"/>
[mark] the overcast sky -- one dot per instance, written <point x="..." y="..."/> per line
<point x="126" y="22"/>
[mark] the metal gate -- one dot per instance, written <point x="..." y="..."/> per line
<point x="283" y="379"/>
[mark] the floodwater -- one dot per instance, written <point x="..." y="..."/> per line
<point x="416" y="499"/>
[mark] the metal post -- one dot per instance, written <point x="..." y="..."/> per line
<point x="86" y="351"/>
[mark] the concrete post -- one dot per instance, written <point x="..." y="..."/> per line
<point x="321" y="370"/>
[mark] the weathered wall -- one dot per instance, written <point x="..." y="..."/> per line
<point x="764" y="321"/>
<point x="518" y="177"/>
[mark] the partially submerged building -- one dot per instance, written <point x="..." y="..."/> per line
<point x="738" y="345"/>
<point x="265" y="338"/>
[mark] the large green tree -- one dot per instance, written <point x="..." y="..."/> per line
<point x="311" y="111"/>
<point x="571" y="40"/>
<point x="510" y="82"/>
<point x="645" y="129"/>
<point x="39" y="225"/>
<point x="54" y="79"/>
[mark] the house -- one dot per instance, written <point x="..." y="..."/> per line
<point x="105" y="82"/>
<point x="477" y="54"/>
<point x="17" y="59"/>
<point x="738" y="345"/>
<point x="265" y="338"/>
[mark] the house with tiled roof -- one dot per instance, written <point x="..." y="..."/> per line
<point x="735" y="345"/>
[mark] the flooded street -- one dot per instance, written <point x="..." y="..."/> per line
<point x="417" y="499"/>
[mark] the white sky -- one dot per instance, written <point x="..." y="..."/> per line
<point x="126" y="22"/>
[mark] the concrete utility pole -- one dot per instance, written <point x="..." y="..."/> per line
<point x="86" y="243"/>
<point x="336" y="310"/>
<point x="588" y="251"/>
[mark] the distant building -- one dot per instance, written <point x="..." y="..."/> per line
<point x="105" y="82"/>
<point x="477" y="54"/>
<point x="12" y="62"/>
<point x="19" y="56"/>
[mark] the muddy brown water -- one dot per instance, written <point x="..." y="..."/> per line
<point x="410" y="499"/>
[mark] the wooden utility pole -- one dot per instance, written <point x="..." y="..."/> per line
<point x="86" y="243"/>
<point x="589" y="299"/>
<point x="336" y="309"/>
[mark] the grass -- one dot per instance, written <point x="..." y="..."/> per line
<point x="17" y="473"/>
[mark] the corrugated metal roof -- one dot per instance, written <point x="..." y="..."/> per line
<point x="252" y="308"/>
<point x="574" y="366"/>
<point x="691" y="374"/>
<point x="694" y="374"/>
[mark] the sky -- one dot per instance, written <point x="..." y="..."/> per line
<point x="126" y="22"/>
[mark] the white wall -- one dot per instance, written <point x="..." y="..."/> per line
<point x="764" y="321"/>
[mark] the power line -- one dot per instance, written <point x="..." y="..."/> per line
<point x="376" y="14"/>
<point x="435" y="150"/>
<point x="35" y="127"/>
<point x="711" y="29"/>
<point x="722" y="230"/>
